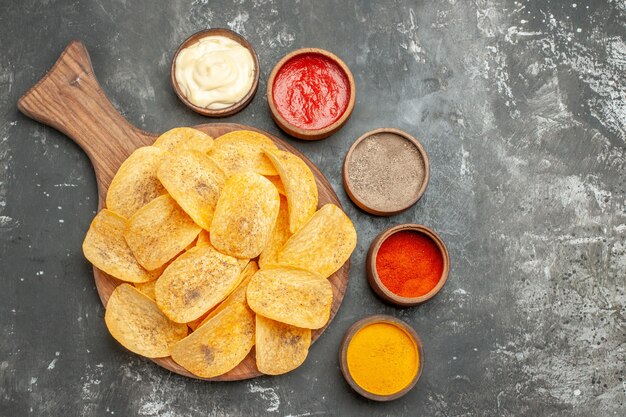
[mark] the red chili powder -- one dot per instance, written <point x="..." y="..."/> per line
<point x="409" y="263"/>
<point x="311" y="91"/>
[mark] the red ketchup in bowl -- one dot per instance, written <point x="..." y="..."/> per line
<point x="311" y="91"/>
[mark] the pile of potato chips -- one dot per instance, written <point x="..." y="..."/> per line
<point x="221" y="248"/>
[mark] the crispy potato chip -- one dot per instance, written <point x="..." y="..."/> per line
<point x="184" y="138"/>
<point x="237" y="295"/>
<point x="157" y="272"/>
<point x="195" y="182"/>
<point x="249" y="135"/>
<point x="203" y="237"/>
<point x="293" y="296"/>
<point x="275" y="179"/>
<point x="136" y="184"/>
<point x="280" y="234"/>
<point x="280" y="347"/>
<point x="159" y="231"/>
<point x="194" y="324"/>
<point x="243" y="262"/>
<point x="105" y="247"/>
<point x="245" y="215"/>
<point x="322" y="245"/>
<point x="192" y="244"/>
<point x="196" y="282"/>
<point x="197" y="143"/>
<point x="242" y="151"/>
<point x="147" y="288"/>
<point x="300" y="187"/>
<point x="219" y="345"/>
<point x="136" y="322"/>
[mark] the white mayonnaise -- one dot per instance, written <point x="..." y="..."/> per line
<point x="214" y="73"/>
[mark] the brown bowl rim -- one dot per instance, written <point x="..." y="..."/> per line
<point x="377" y="285"/>
<point x="310" y="134"/>
<point x="234" y="108"/>
<point x="343" y="355"/>
<point x="347" y="184"/>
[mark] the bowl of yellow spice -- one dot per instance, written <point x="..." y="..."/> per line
<point x="381" y="357"/>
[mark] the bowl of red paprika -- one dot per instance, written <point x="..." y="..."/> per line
<point x="407" y="264"/>
<point x="311" y="93"/>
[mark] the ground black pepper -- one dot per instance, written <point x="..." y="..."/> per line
<point x="386" y="171"/>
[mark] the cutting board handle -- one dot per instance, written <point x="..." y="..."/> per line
<point x="70" y="99"/>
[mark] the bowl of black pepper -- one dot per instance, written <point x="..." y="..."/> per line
<point x="386" y="171"/>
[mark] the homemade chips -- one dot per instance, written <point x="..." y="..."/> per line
<point x="243" y="151"/>
<point x="159" y="231"/>
<point x="280" y="347"/>
<point x="321" y="246"/>
<point x="300" y="186"/>
<point x="196" y="282"/>
<point x="238" y="295"/>
<point x="186" y="222"/>
<point x="136" y="322"/>
<point x="245" y="215"/>
<point x="218" y="345"/>
<point x="279" y="236"/>
<point x="292" y="296"/>
<point x="105" y="247"/>
<point x="203" y="237"/>
<point x="184" y="138"/>
<point x="275" y="179"/>
<point x="136" y="184"/>
<point x="195" y="182"/>
<point x="147" y="288"/>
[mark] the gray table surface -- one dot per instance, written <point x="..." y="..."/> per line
<point x="521" y="106"/>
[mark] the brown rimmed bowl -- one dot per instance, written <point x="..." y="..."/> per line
<point x="360" y="200"/>
<point x="343" y="355"/>
<point x="238" y="106"/>
<point x="310" y="134"/>
<point x="377" y="285"/>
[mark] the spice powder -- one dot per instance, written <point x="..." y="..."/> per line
<point x="386" y="171"/>
<point x="382" y="358"/>
<point x="409" y="263"/>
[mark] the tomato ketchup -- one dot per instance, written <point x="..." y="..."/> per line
<point x="311" y="91"/>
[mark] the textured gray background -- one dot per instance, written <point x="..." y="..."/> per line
<point x="521" y="105"/>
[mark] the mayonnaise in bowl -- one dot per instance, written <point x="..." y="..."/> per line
<point x="215" y="72"/>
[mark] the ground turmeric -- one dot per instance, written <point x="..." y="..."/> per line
<point x="382" y="358"/>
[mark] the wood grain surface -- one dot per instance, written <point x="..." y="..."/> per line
<point x="70" y="99"/>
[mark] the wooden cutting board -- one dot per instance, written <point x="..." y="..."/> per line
<point x="70" y="99"/>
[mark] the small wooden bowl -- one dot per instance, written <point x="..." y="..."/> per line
<point x="343" y="355"/>
<point x="238" y="106"/>
<point x="310" y="134"/>
<point x="360" y="202"/>
<point x="377" y="285"/>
